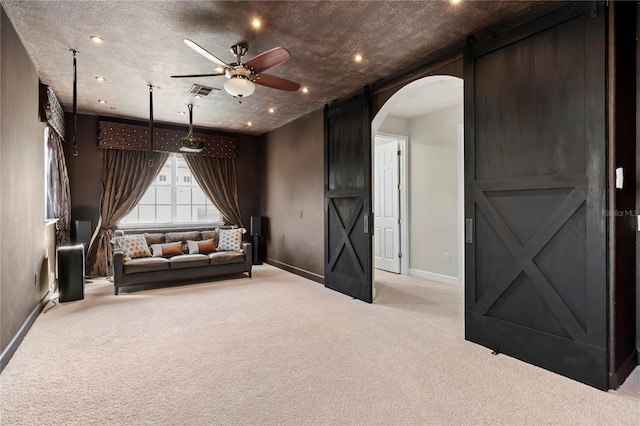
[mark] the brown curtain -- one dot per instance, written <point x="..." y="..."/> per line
<point x="217" y="178"/>
<point x="126" y="175"/>
<point x="58" y="193"/>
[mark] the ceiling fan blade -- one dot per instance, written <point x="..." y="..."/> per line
<point x="268" y="59"/>
<point x="206" y="53"/>
<point x="276" y="82"/>
<point x="197" y="75"/>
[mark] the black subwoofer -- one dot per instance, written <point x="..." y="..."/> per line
<point x="71" y="273"/>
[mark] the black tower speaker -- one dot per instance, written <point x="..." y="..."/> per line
<point x="256" y="225"/>
<point x="71" y="273"/>
<point x="256" y="232"/>
<point x="81" y="233"/>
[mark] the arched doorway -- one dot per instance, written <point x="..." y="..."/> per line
<point x="420" y="208"/>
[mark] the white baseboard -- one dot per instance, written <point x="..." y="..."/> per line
<point x="447" y="279"/>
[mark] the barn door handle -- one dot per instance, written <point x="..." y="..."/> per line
<point x="366" y="223"/>
<point x="469" y="231"/>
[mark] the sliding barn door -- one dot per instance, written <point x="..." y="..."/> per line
<point x="347" y="198"/>
<point x="535" y="192"/>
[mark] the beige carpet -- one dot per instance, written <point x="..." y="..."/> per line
<point x="281" y="350"/>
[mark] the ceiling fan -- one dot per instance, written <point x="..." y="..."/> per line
<point x="241" y="76"/>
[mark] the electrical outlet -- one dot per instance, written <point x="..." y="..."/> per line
<point x="35" y="279"/>
<point x="447" y="256"/>
<point x="282" y="237"/>
<point x="300" y="214"/>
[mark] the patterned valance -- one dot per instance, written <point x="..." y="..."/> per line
<point x="55" y="114"/>
<point x="114" y="135"/>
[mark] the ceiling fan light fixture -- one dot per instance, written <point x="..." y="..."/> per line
<point x="239" y="86"/>
<point x="190" y="143"/>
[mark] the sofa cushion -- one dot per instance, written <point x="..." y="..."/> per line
<point x="188" y="261"/>
<point x="201" y="247"/>
<point x="225" y="257"/>
<point x="230" y="239"/>
<point x="145" y="264"/>
<point x="210" y="235"/>
<point x="167" y="250"/>
<point x="172" y="237"/>
<point x="154" y="239"/>
<point x="133" y="246"/>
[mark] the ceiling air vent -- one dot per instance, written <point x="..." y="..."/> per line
<point x="197" y="89"/>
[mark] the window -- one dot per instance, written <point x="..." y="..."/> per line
<point x="174" y="198"/>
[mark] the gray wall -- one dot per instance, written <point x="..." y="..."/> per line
<point x="294" y="183"/>
<point x="22" y="210"/>
<point x="395" y="125"/>
<point x="433" y="192"/>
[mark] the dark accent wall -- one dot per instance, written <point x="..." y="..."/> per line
<point x="623" y="228"/>
<point x="86" y="186"/>
<point x="22" y="227"/>
<point x="248" y="171"/>
<point x="293" y="196"/>
<point x="84" y="170"/>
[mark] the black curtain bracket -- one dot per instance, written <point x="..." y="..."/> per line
<point x="75" y="103"/>
<point x="150" y="125"/>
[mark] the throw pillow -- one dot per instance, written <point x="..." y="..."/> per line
<point x="172" y="237"/>
<point x="167" y="250"/>
<point x="230" y="239"/>
<point x="208" y="235"/>
<point x="201" y="247"/>
<point x="133" y="246"/>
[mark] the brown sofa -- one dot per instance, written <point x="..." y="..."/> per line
<point x="180" y="268"/>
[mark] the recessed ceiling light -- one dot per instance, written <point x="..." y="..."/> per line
<point x="102" y="101"/>
<point x="219" y="69"/>
<point x="305" y="90"/>
<point x="181" y="112"/>
<point x="198" y="96"/>
<point x="249" y="123"/>
<point x="358" y="58"/>
<point x="455" y="1"/>
<point x="97" y="39"/>
<point x="100" y="79"/>
<point x="272" y="110"/>
<point x="256" y="23"/>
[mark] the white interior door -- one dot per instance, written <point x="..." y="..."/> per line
<point x="386" y="234"/>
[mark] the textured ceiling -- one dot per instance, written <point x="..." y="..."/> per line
<point x="144" y="45"/>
